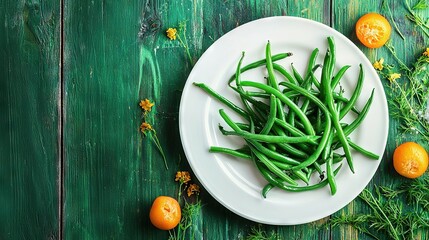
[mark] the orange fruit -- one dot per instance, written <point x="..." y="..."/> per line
<point x="165" y="213"/>
<point x="410" y="160"/>
<point x="373" y="30"/>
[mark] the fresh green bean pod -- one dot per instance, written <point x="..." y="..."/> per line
<point x="356" y="93"/>
<point x="307" y="124"/>
<point x="273" y="168"/>
<point x="260" y="63"/>
<point x="229" y="151"/>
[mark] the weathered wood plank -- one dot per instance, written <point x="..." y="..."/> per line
<point x="112" y="174"/>
<point x="29" y="87"/>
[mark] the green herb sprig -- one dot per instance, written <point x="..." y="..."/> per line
<point x="387" y="213"/>
<point x="416" y="18"/>
<point x="257" y="233"/>
<point x="180" y="34"/>
<point x="191" y="207"/>
<point x="148" y="130"/>
<point x="408" y="97"/>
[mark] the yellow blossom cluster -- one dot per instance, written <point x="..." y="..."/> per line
<point x="426" y="53"/>
<point x="378" y="65"/>
<point x="171" y="33"/>
<point x="184" y="178"/>
<point x="393" y="76"/>
<point x="193" y="188"/>
<point x="146" y="105"/>
<point x="145" y="127"/>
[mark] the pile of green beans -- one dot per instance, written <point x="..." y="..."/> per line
<point x="293" y="128"/>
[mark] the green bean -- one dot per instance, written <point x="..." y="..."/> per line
<point x="359" y="119"/>
<point x="268" y="138"/>
<point x="280" y="110"/>
<point x="328" y="97"/>
<point x="222" y="99"/>
<point x="355" y="94"/>
<point x="318" y="168"/>
<point x="301" y="175"/>
<point x="307" y="124"/>
<point x="314" y="81"/>
<point x="318" y="121"/>
<point x="272" y="147"/>
<point x="330" y="175"/>
<point x="251" y="114"/>
<point x="271" y="117"/>
<point x="338" y="76"/>
<point x="261" y="137"/>
<point x="292" y="130"/>
<point x="266" y="189"/>
<point x="326" y="132"/>
<point x="273" y="168"/>
<point x="310" y="172"/>
<point x="339" y="98"/>
<point x="229" y="151"/>
<point x="362" y="150"/>
<point x="292" y="150"/>
<point x="272" y="154"/>
<point x="281" y="185"/>
<point x="269" y="63"/>
<point x="257" y="94"/>
<point x="304" y="82"/>
<point x="261" y="62"/>
<point x="311" y="63"/>
<point x="284" y="72"/>
<point x="296" y="74"/>
<point x="298" y="174"/>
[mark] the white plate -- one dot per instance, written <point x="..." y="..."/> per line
<point x="236" y="183"/>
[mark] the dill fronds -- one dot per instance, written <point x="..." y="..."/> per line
<point x="257" y="233"/>
<point x="415" y="18"/>
<point x="387" y="213"/>
<point x="422" y="4"/>
<point x="409" y="96"/>
<point x="191" y="207"/>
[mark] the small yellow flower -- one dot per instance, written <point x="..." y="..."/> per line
<point x="193" y="188"/>
<point x="393" y="76"/>
<point x="378" y="65"/>
<point x="146" y="105"/>
<point x="426" y="53"/>
<point x="171" y="33"/>
<point x="183" y="177"/>
<point x="145" y="127"/>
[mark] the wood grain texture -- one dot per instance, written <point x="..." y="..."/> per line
<point x="115" y="53"/>
<point x="29" y="84"/>
<point x="103" y="166"/>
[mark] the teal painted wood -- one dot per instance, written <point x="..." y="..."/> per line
<point x="116" y="54"/>
<point x="103" y="160"/>
<point x="29" y="90"/>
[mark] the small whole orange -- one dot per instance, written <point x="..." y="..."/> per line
<point x="165" y="213"/>
<point x="410" y="160"/>
<point x="373" y="30"/>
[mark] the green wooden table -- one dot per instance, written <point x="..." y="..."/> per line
<point x="73" y="163"/>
